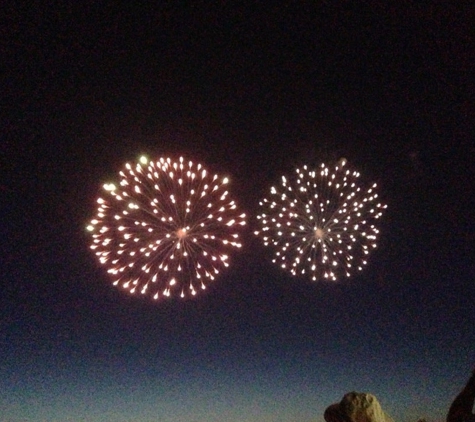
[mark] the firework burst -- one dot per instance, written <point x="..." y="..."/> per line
<point x="321" y="223"/>
<point x="166" y="228"/>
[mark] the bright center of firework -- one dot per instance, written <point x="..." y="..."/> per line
<point x="319" y="233"/>
<point x="181" y="233"/>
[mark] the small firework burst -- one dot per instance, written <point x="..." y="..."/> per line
<point x="321" y="223"/>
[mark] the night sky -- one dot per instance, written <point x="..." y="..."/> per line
<point x="252" y="92"/>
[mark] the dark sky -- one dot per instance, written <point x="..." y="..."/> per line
<point x="252" y="92"/>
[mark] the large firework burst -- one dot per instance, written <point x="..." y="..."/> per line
<point x="321" y="223"/>
<point x="166" y="228"/>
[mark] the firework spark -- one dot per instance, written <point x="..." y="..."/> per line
<point x="321" y="223"/>
<point x="166" y="228"/>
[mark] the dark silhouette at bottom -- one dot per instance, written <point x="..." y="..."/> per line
<point x="364" y="407"/>
<point x="357" y="407"/>
<point x="462" y="407"/>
